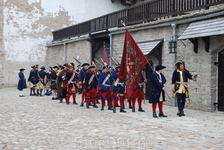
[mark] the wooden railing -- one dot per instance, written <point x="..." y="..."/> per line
<point x="142" y="13"/>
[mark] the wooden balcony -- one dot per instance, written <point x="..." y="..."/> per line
<point x="135" y="15"/>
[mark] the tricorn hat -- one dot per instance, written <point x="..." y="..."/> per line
<point x="43" y="68"/>
<point x="117" y="66"/>
<point x="21" y="69"/>
<point x="92" y="66"/>
<point x="56" y="67"/>
<point x="85" y="64"/>
<point x="106" y="66"/>
<point x="179" y="62"/>
<point x="159" y="67"/>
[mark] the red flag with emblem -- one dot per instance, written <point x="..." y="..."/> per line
<point x="105" y="58"/>
<point x="132" y="63"/>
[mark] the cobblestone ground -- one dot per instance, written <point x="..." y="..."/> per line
<point x="41" y="123"/>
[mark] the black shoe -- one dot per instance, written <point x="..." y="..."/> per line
<point x="37" y="94"/>
<point x="53" y="98"/>
<point x="67" y="103"/>
<point x="102" y="108"/>
<point x="75" y="103"/>
<point x="117" y="105"/>
<point x="179" y="114"/>
<point x="21" y="96"/>
<point x="162" y="115"/>
<point x="98" y="102"/>
<point x="140" y="109"/>
<point x="133" y="109"/>
<point x="95" y="106"/>
<point x="122" y="110"/>
<point x="110" y="108"/>
<point x="56" y="98"/>
<point x="87" y="106"/>
<point x="154" y="115"/>
<point x="82" y="104"/>
<point x="130" y="107"/>
<point x="182" y="113"/>
<point x="114" y="111"/>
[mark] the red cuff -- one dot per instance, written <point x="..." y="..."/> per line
<point x="146" y="81"/>
<point x="99" y="88"/>
<point x="67" y="84"/>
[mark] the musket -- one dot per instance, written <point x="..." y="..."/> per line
<point x="115" y="63"/>
<point x="77" y="61"/>
<point x="98" y="62"/>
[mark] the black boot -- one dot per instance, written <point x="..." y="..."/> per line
<point x="95" y="106"/>
<point x="75" y="103"/>
<point x="179" y="114"/>
<point x="162" y="115"/>
<point x="37" y="93"/>
<point x="82" y="104"/>
<point x="102" y="108"/>
<point x="154" y="115"/>
<point x="110" y="108"/>
<point x="133" y="109"/>
<point x="41" y="92"/>
<point x="87" y="106"/>
<point x="122" y="110"/>
<point x="67" y="103"/>
<point x="182" y="113"/>
<point x="114" y="111"/>
<point x="140" y="109"/>
<point x="117" y="105"/>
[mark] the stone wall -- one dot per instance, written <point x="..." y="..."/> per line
<point x="203" y="93"/>
<point x="81" y="49"/>
<point x="1" y="46"/>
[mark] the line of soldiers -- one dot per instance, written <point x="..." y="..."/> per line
<point x="64" y="81"/>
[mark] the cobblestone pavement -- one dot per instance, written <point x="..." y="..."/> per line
<point x="45" y="124"/>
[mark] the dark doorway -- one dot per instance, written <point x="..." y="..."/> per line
<point x="148" y="72"/>
<point x="221" y="81"/>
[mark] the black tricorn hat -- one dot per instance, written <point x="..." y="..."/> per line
<point x="92" y="66"/>
<point x="85" y="64"/>
<point x="56" y="67"/>
<point x="43" y="68"/>
<point x="78" y="65"/>
<point x="117" y="66"/>
<point x="106" y="66"/>
<point x="21" y="69"/>
<point x="33" y="67"/>
<point x="159" y="67"/>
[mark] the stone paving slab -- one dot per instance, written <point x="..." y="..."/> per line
<point x="40" y="123"/>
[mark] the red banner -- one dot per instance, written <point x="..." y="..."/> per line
<point x="105" y="58"/>
<point x="132" y="63"/>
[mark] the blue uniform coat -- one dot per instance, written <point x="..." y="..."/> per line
<point x="156" y="88"/>
<point x="22" y="81"/>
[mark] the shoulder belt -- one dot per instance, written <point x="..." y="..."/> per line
<point x="91" y="79"/>
<point x="105" y="80"/>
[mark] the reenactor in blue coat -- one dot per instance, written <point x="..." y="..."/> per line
<point x="41" y="79"/>
<point x="157" y="94"/>
<point x="179" y="85"/>
<point x="104" y="83"/>
<point x="91" y="86"/>
<point x="77" y="71"/>
<point x="22" y="82"/>
<point x="119" y="90"/>
<point x="81" y="81"/>
<point x="32" y="78"/>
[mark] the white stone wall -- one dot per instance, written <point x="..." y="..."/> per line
<point x="28" y="24"/>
